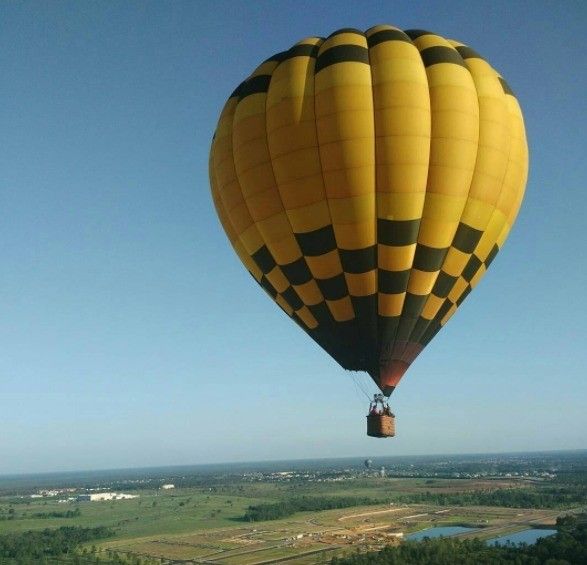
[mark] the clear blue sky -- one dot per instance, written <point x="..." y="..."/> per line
<point x="129" y="333"/>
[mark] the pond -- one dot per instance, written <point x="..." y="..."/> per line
<point x="440" y="531"/>
<point x="527" y="536"/>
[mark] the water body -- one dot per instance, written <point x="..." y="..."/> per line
<point x="530" y="537"/>
<point x="439" y="532"/>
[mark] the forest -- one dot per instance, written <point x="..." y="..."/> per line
<point x="32" y="546"/>
<point x="559" y="496"/>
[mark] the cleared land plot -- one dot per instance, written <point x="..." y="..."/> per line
<point x="372" y="526"/>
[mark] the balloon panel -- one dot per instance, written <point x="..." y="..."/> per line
<point x="367" y="181"/>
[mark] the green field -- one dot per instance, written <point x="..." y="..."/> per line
<point x="150" y="514"/>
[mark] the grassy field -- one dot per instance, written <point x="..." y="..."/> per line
<point x="151" y="513"/>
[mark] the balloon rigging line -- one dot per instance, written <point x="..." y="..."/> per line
<point x="359" y="386"/>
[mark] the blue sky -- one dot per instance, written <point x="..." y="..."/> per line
<point x="130" y="335"/>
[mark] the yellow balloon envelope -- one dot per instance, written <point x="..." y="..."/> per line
<point x="367" y="181"/>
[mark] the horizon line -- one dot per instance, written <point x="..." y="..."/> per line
<point x="253" y="462"/>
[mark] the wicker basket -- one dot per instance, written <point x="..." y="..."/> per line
<point x="380" y="425"/>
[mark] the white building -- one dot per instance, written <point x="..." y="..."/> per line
<point x="167" y="487"/>
<point x="98" y="496"/>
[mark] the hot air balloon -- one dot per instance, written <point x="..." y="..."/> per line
<point x="367" y="181"/>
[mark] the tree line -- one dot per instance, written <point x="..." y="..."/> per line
<point x="549" y="497"/>
<point x="285" y="508"/>
<point x="57" y="514"/>
<point x="12" y="515"/>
